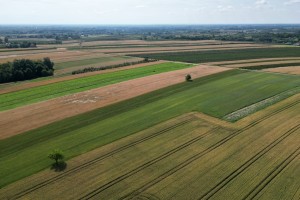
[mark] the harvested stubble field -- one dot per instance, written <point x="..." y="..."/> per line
<point x="36" y="115"/>
<point x="285" y="70"/>
<point x="50" y="91"/>
<point x="224" y="55"/>
<point x="216" y="95"/>
<point x="190" y="157"/>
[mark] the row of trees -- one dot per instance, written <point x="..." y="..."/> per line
<point x="25" y="69"/>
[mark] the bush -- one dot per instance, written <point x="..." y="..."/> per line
<point x="188" y="77"/>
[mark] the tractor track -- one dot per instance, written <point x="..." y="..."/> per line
<point x="247" y="164"/>
<point x="96" y="160"/>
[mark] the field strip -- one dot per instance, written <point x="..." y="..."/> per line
<point x="98" y="159"/>
<point x="134" y="53"/>
<point x="259" y="105"/>
<point x="56" y="80"/>
<point x="52" y="55"/>
<point x="124" y="50"/>
<point x="19" y="120"/>
<point x="248" y="163"/>
<point x="197" y="156"/>
<point x="262" y="63"/>
<point x="285" y="70"/>
<point x="272" y="175"/>
<point x="251" y="60"/>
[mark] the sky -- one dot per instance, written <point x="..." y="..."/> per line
<point x="150" y="12"/>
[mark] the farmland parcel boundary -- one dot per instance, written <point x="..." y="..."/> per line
<point x="53" y="90"/>
<point x="46" y="81"/>
<point x="185" y="121"/>
<point x="224" y="55"/>
<point x="66" y="134"/>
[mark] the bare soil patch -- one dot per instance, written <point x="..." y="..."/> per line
<point x="55" y="80"/>
<point x="22" y="119"/>
<point x="285" y="70"/>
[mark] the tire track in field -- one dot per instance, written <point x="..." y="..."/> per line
<point x="247" y="164"/>
<point x="147" y="164"/>
<point x="96" y="160"/>
<point x="201" y="154"/>
<point x="272" y="175"/>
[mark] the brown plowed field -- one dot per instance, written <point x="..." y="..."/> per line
<point x="46" y="82"/>
<point x="285" y="70"/>
<point x="262" y="63"/>
<point x="19" y="120"/>
<point x="250" y="60"/>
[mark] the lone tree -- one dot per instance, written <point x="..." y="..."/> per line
<point x="188" y="77"/>
<point x="56" y="155"/>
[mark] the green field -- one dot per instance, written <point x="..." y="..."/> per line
<point x="266" y="66"/>
<point x="41" y="93"/>
<point x="91" y="61"/>
<point x="216" y="95"/>
<point x="224" y="55"/>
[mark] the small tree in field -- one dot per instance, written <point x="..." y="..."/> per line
<point x="188" y="77"/>
<point x="56" y="155"/>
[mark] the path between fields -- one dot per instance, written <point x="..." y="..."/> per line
<point x="22" y="119"/>
<point x="55" y="80"/>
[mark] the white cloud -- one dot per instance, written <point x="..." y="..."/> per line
<point x="291" y="2"/>
<point x="261" y="2"/>
<point x="222" y="8"/>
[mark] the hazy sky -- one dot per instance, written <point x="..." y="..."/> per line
<point x="149" y="11"/>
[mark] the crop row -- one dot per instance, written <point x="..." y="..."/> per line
<point x="223" y="55"/>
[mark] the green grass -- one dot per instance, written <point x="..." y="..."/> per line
<point x="41" y="93"/>
<point x="215" y="95"/>
<point x="224" y="55"/>
<point x="88" y="62"/>
<point x="266" y="66"/>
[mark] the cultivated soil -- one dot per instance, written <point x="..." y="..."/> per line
<point x="22" y="119"/>
<point x="285" y="70"/>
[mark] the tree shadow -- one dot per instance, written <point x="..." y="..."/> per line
<point x="58" y="167"/>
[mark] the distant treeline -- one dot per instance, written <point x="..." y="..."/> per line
<point x="25" y="69"/>
<point x="92" y="69"/>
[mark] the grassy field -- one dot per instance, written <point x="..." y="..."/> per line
<point x="215" y="95"/>
<point x="190" y="157"/>
<point x="224" y="55"/>
<point x="41" y="93"/>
